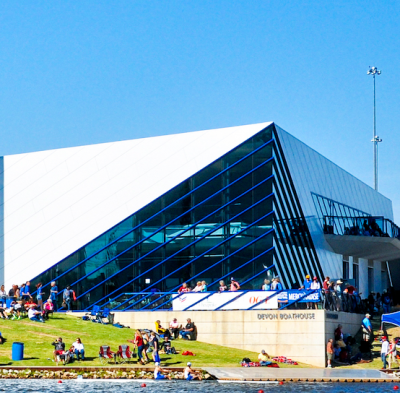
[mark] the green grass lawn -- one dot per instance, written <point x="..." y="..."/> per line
<point x="38" y="337"/>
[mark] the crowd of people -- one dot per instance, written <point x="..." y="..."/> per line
<point x="37" y="304"/>
<point x="148" y="342"/>
<point x="201" y="286"/>
<point x="336" y="296"/>
<point x="339" y="348"/>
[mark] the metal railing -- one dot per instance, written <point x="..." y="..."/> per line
<point x="360" y="226"/>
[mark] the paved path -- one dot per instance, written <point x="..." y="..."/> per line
<point x="299" y="374"/>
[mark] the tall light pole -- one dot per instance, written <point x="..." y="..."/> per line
<point x="375" y="139"/>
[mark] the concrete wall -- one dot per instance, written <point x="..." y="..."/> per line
<point x="298" y="335"/>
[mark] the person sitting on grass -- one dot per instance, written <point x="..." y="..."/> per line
<point x="263" y="358"/>
<point x="190" y="374"/>
<point x="59" y="349"/>
<point x="161" y="330"/>
<point x="29" y="303"/>
<point x="166" y="346"/>
<point x="174" y="327"/>
<point x="159" y="373"/>
<point x="48" y="309"/>
<point x="3" y="313"/>
<point x="15" y="309"/>
<point x="189" y="332"/>
<point x="2" y="339"/>
<point x="35" y="315"/>
<point x="79" y="349"/>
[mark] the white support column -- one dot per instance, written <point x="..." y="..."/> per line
<point x="363" y="279"/>
<point x="351" y="267"/>
<point x="377" y="277"/>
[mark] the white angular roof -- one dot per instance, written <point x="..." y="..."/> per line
<point x="56" y="201"/>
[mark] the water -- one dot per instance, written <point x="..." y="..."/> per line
<point x="39" y="386"/>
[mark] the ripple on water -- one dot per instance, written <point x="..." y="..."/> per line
<point x="40" y="386"/>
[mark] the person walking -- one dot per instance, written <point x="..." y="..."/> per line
<point x="384" y="351"/>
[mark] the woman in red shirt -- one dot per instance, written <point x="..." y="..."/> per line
<point x="138" y="341"/>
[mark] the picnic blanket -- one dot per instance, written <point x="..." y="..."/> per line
<point x="283" y="359"/>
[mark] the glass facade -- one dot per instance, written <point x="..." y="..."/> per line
<point x="237" y="216"/>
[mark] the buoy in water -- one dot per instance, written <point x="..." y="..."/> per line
<point x="281" y="383"/>
<point x="395" y="387"/>
<point x="59" y="381"/>
<point x="143" y="385"/>
<point x="261" y="391"/>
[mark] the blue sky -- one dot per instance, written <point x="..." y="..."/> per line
<point x="75" y="73"/>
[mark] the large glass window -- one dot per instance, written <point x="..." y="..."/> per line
<point x="209" y="225"/>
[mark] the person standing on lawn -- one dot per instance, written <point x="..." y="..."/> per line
<point x="330" y="352"/>
<point x="384" y="351"/>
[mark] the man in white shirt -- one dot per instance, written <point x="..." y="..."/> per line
<point x="34" y="315"/>
<point x="174" y="328"/>
<point x="384" y="351"/>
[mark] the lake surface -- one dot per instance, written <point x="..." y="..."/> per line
<point x="39" y="385"/>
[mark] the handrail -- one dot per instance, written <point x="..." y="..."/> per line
<point x="389" y="228"/>
<point x="299" y="298"/>
<point x="150" y="218"/>
<point x="199" y="301"/>
<point x="230" y="301"/>
<point x="263" y="300"/>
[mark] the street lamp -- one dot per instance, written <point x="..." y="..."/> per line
<point x="375" y="139"/>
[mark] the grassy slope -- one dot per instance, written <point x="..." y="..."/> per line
<point x="38" y="337"/>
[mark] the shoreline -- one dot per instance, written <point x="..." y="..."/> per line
<point x="223" y="374"/>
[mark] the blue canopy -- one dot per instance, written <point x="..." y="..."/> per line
<point x="393" y="318"/>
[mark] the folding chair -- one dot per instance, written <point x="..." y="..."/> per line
<point x="125" y="354"/>
<point x="93" y="314"/>
<point x="106" y="355"/>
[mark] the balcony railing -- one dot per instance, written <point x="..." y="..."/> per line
<point x="378" y="226"/>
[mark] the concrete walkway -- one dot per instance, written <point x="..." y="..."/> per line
<point x="299" y="374"/>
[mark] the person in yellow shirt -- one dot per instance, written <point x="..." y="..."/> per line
<point x="263" y="358"/>
<point x="161" y="330"/>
